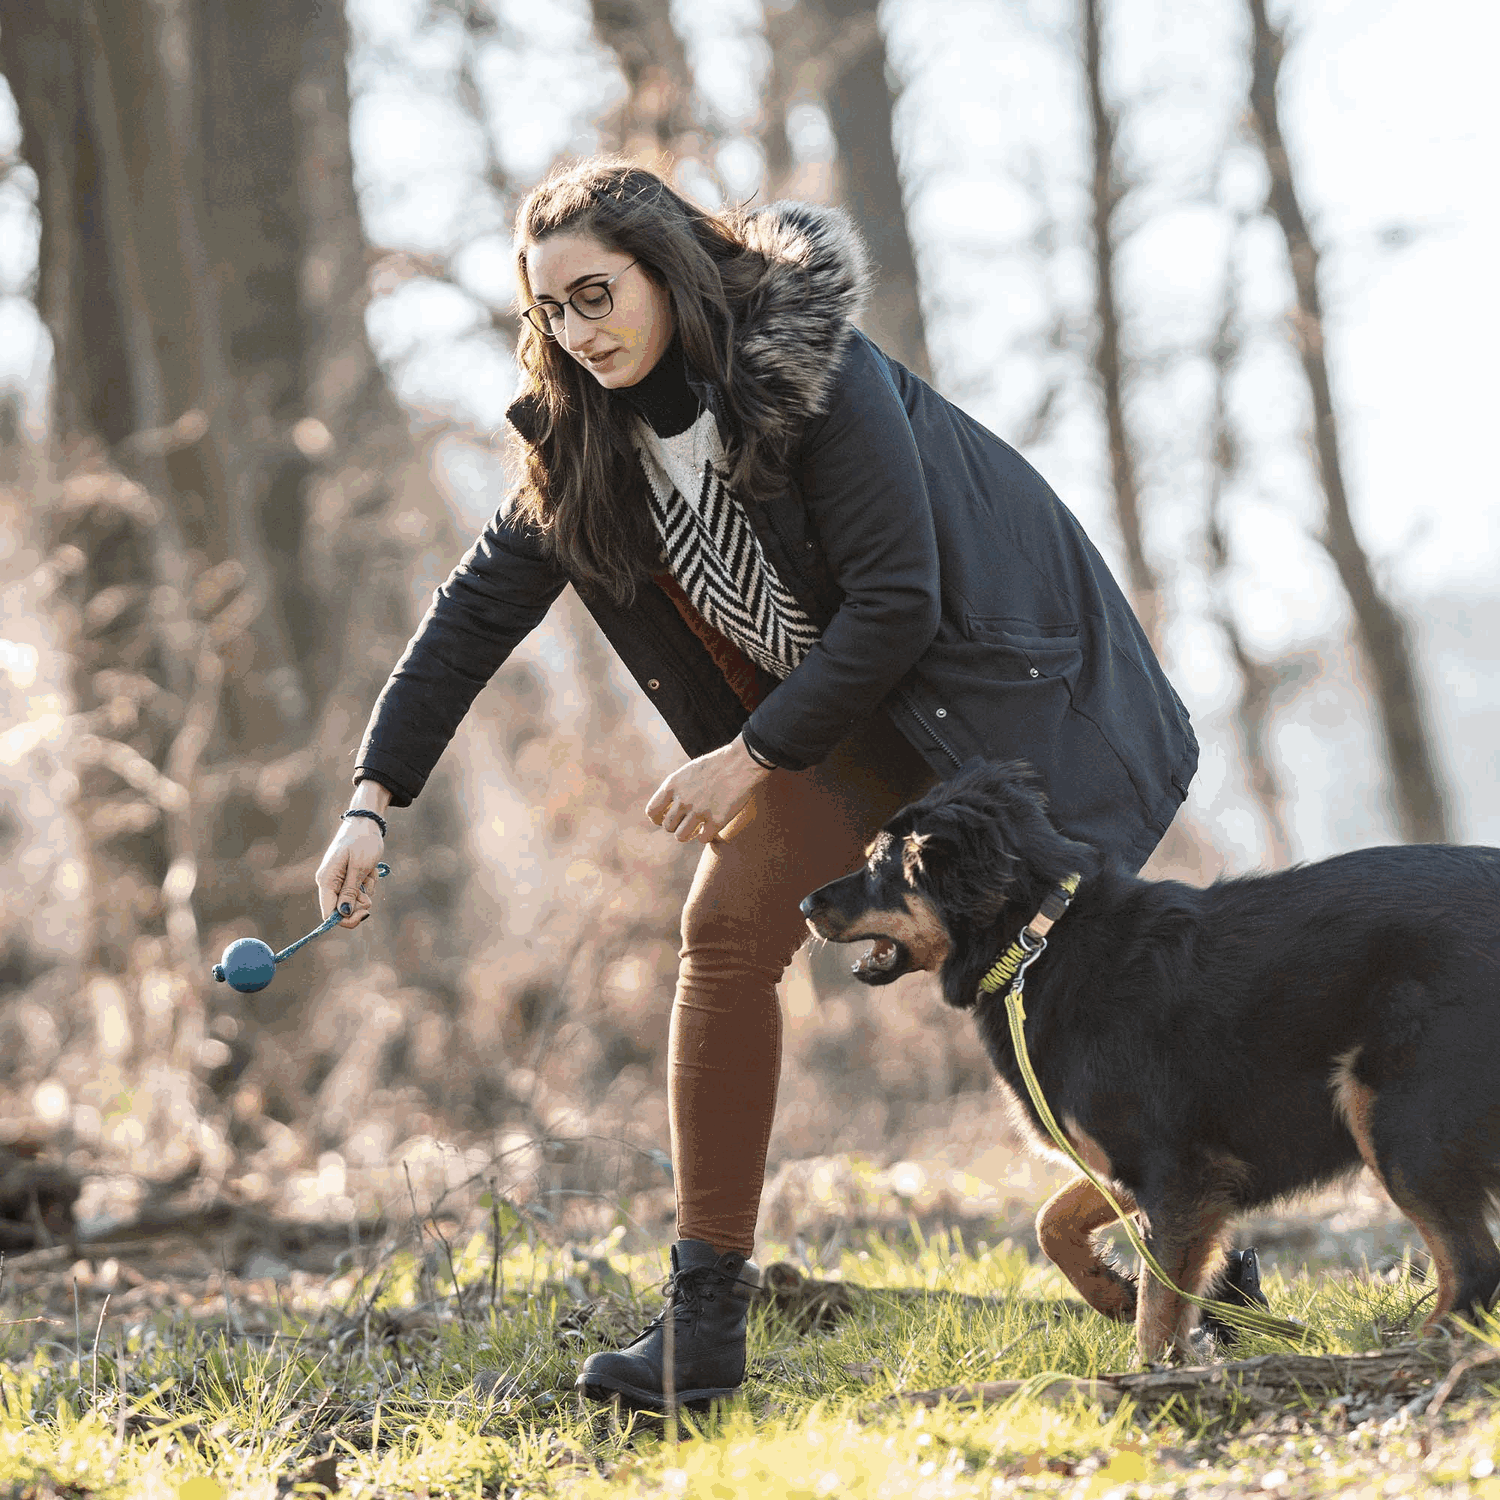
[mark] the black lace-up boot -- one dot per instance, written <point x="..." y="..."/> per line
<point x="1239" y="1285"/>
<point x="708" y="1297"/>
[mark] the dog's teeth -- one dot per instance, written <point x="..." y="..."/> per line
<point x="879" y="956"/>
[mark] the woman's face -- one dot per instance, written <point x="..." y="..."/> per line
<point x="621" y="347"/>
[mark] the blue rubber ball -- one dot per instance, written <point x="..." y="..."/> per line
<point x="248" y="964"/>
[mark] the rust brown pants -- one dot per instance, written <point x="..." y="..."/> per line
<point x="740" y="928"/>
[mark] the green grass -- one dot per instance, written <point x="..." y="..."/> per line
<point x="376" y="1370"/>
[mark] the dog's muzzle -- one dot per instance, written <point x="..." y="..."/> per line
<point x="885" y="959"/>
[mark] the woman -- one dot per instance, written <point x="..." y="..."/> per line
<point x="835" y="587"/>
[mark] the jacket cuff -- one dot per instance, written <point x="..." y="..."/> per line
<point x="761" y="751"/>
<point x="400" y="781"/>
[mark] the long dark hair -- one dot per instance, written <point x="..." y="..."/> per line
<point x="583" y="488"/>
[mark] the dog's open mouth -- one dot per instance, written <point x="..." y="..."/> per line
<point x="881" y="960"/>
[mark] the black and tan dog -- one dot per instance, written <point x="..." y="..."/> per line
<point x="1210" y="1050"/>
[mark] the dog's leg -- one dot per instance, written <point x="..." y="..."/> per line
<point x="1446" y="1206"/>
<point x="1065" y="1229"/>
<point x="1187" y="1247"/>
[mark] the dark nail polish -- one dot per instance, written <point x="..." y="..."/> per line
<point x="345" y="908"/>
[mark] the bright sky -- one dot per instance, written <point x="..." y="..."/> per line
<point x="1389" y="108"/>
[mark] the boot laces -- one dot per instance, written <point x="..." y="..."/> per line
<point x="683" y="1291"/>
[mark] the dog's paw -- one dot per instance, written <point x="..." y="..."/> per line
<point x="1108" y="1290"/>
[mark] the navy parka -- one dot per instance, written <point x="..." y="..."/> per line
<point x="954" y="591"/>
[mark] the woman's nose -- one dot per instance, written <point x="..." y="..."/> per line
<point x="577" y="332"/>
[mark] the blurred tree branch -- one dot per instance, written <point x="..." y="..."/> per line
<point x="1261" y="682"/>
<point x="231" y="565"/>
<point x="1418" y="790"/>
<point x="1186" y="847"/>
<point x="1108" y="188"/>
<point x="656" y="120"/>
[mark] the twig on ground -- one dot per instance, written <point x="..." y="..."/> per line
<point x="97" y="1331"/>
<point x="1450" y="1381"/>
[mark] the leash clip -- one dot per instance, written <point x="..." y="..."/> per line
<point x="1032" y="948"/>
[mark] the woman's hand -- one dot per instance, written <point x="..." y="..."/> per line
<point x="699" y="800"/>
<point x="349" y="862"/>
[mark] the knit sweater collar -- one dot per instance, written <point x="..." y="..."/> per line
<point x="663" y="396"/>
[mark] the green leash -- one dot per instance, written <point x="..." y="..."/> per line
<point x="1010" y="970"/>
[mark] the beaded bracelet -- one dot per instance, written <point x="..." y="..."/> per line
<point x="365" y="812"/>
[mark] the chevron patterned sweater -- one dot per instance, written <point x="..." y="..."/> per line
<point x="711" y="550"/>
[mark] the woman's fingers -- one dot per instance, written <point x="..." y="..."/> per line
<point x="686" y="821"/>
<point x="656" y="808"/>
<point x="702" y="798"/>
<point x="354" y="896"/>
<point x="330" y="878"/>
<point x="353" y="900"/>
<point x="693" y="825"/>
<point x="347" y="869"/>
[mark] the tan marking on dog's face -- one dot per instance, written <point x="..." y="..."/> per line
<point x="879" y="850"/>
<point x="911" y="856"/>
<point x="915" y="924"/>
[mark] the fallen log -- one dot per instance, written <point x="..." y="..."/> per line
<point x="1421" y="1375"/>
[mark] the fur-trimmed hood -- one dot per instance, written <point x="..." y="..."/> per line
<point x="816" y="285"/>
<point x="787" y="348"/>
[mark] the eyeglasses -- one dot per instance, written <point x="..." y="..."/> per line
<point x="593" y="302"/>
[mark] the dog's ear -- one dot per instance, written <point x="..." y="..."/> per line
<point x="962" y="862"/>
<point x="980" y="836"/>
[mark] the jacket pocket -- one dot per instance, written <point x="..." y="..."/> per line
<point x="1046" y="650"/>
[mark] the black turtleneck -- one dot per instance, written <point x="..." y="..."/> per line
<point x="663" y="396"/>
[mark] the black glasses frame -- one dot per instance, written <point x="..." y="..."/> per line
<point x="537" y="316"/>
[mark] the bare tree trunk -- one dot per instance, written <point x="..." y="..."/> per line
<point x="236" y="584"/>
<point x="1108" y="188"/>
<point x="860" y="107"/>
<point x="1260" y="681"/>
<point x="1422" y="804"/>
<point x="656" y="117"/>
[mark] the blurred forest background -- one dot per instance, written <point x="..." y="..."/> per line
<point x="1202" y="263"/>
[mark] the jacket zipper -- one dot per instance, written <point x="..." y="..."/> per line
<point x="917" y="714"/>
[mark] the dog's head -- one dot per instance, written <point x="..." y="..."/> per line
<point x="947" y="877"/>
